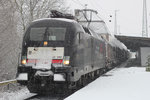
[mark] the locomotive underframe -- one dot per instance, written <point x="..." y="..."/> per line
<point x="75" y="78"/>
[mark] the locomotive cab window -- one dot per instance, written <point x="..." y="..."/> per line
<point x="37" y="34"/>
<point x="56" y="33"/>
<point x="47" y="33"/>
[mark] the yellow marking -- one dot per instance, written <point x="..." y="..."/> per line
<point x="8" y="82"/>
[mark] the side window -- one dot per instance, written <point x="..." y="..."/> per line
<point x="78" y="38"/>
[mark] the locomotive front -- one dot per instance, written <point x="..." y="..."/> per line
<point x="46" y="55"/>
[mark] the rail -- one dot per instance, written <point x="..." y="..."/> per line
<point x="8" y="82"/>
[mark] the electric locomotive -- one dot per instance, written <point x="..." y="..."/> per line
<point x="58" y="54"/>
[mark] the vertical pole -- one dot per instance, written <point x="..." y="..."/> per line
<point x="85" y="10"/>
<point x="144" y="22"/>
<point x="119" y="30"/>
<point x="8" y="86"/>
<point x="115" y="23"/>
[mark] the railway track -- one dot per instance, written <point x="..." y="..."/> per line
<point x="48" y="96"/>
<point x="44" y="97"/>
<point x="30" y="96"/>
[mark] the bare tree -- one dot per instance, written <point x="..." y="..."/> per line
<point x="29" y="10"/>
<point x="8" y="40"/>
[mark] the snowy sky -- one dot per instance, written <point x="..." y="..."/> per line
<point x="129" y="15"/>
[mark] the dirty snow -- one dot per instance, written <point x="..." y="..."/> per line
<point x="119" y="84"/>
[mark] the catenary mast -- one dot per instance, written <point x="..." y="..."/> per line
<point x="144" y="22"/>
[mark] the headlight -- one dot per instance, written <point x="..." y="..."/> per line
<point x="45" y="43"/>
<point x="24" y="61"/>
<point x="66" y="62"/>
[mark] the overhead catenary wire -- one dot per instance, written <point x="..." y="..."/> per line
<point x="99" y="8"/>
<point x="103" y="13"/>
<point x="94" y="5"/>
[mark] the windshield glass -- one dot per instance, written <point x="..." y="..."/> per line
<point x="47" y="33"/>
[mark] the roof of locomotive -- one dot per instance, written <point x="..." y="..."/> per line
<point x="50" y="21"/>
<point x="116" y="43"/>
<point x="59" y="22"/>
<point x="55" y="19"/>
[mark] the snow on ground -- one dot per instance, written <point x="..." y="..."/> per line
<point x="18" y="95"/>
<point x="119" y="84"/>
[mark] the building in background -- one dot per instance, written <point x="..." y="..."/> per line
<point x="143" y="54"/>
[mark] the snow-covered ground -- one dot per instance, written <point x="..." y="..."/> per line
<point x="119" y="84"/>
<point x="18" y="95"/>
